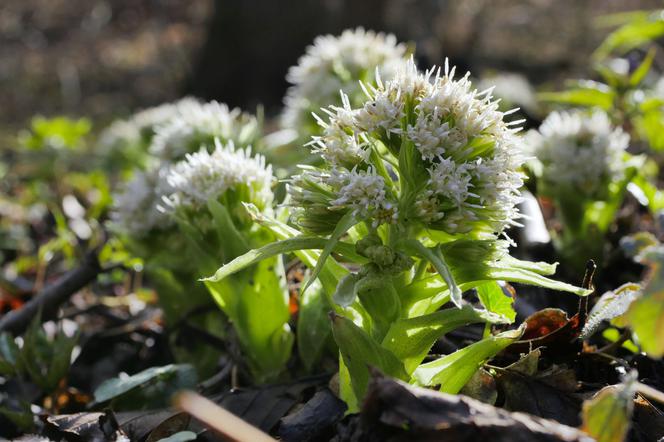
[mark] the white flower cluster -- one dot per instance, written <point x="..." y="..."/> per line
<point x="471" y="154"/>
<point x="336" y="63"/>
<point x="194" y="123"/>
<point x="364" y="193"/>
<point x="580" y="150"/>
<point x="135" y="206"/>
<point x="204" y="175"/>
<point x="169" y="132"/>
<point x="142" y="124"/>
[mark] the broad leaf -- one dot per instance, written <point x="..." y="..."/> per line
<point x="234" y="242"/>
<point x="607" y="416"/>
<point x="253" y="256"/>
<point x="611" y="305"/>
<point x="591" y="96"/>
<point x="631" y="35"/>
<point x="646" y="314"/>
<point x="345" y="294"/>
<point x="360" y="351"/>
<point x="180" y="436"/>
<point x="262" y="316"/>
<point x="182" y="374"/>
<point x="452" y="372"/>
<point x="435" y="257"/>
<point x="411" y="339"/>
<point x="313" y="324"/>
<point x="495" y="300"/>
<point x="640" y="73"/>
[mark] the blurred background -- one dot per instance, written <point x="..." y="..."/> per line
<point x="106" y="58"/>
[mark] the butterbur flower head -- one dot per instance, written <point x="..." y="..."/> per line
<point x="579" y="151"/>
<point x="336" y="63"/>
<point x="229" y="174"/>
<point x="422" y="148"/>
<point x="135" y="206"/>
<point x="193" y="124"/>
<point x="141" y="127"/>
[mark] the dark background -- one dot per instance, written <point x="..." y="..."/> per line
<point x="106" y="58"/>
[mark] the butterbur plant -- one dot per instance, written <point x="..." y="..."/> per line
<point x="581" y="164"/>
<point x="164" y="217"/>
<point x="416" y="188"/>
<point x="206" y="202"/>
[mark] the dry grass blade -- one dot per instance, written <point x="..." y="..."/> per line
<point x="218" y="419"/>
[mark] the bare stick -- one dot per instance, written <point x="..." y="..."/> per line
<point x="218" y="419"/>
<point x="49" y="299"/>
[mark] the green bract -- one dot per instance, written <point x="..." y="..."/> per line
<point x="416" y="186"/>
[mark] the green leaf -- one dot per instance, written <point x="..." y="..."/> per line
<point x="611" y="305"/>
<point x="631" y="35"/>
<point x="640" y="72"/>
<point x="313" y="324"/>
<point x="261" y="320"/>
<point x="359" y="351"/>
<point x="256" y="255"/>
<point x="115" y="387"/>
<point x="594" y="96"/>
<point x="646" y="314"/>
<point x="332" y="271"/>
<point x="63" y="346"/>
<point x="8" y="348"/>
<point x="607" y="416"/>
<point x="181" y="436"/>
<point x="435" y="257"/>
<point x="411" y="339"/>
<point x="345" y="293"/>
<point x="345" y="223"/>
<point x="494" y="299"/>
<point x="233" y="241"/>
<point x="532" y="278"/>
<point x="452" y="372"/>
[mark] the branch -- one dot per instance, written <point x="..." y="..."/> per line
<point x="50" y="299"/>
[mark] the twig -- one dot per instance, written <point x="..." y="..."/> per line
<point x="49" y="299"/>
<point x="649" y="392"/>
<point x="587" y="284"/>
<point x="610" y="347"/>
<point x="218" y="419"/>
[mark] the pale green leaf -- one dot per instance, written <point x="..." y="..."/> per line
<point x="435" y="257"/>
<point x="181" y="436"/>
<point x="631" y="35"/>
<point x="607" y="416"/>
<point x="495" y="300"/>
<point x="115" y="387"/>
<point x="452" y="372"/>
<point x="411" y="339"/>
<point x="360" y="351"/>
<point x="345" y="293"/>
<point x="261" y="319"/>
<point x="611" y="305"/>
<point x="313" y="324"/>
<point x="640" y="72"/>
<point x="646" y="314"/>
<point x="267" y="251"/>
<point x="345" y="223"/>
<point x="588" y="96"/>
